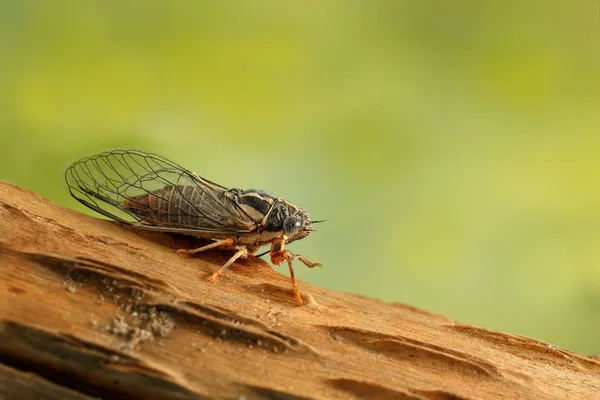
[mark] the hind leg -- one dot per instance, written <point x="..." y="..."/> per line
<point x="222" y="244"/>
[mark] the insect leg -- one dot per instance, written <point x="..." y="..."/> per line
<point x="308" y="263"/>
<point x="294" y="283"/>
<point x="219" y="243"/>
<point x="278" y="255"/>
<point x="243" y="252"/>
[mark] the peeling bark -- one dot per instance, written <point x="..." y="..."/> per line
<point x="90" y="308"/>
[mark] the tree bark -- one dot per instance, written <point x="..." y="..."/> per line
<point x="91" y="308"/>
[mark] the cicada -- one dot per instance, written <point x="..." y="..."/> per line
<point x="150" y="192"/>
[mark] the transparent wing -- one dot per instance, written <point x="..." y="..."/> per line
<point x="151" y="192"/>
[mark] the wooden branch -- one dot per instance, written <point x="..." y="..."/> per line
<point x="90" y="308"/>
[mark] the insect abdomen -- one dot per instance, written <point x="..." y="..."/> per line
<point x="173" y="206"/>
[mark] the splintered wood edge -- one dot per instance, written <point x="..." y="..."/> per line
<point x="91" y="308"/>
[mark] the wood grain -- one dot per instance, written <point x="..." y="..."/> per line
<point x="90" y="308"/>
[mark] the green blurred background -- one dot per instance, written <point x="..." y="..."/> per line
<point x="452" y="146"/>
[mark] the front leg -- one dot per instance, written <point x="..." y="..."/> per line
<point x="279" y="255"/>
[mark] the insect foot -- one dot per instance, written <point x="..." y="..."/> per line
<point x="183" y="252"/>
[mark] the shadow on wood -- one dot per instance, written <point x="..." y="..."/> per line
<point x="90" y="308"/>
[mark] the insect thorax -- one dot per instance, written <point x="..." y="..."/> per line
<point x="271" y="213"/>
<point x="255" y="203"/>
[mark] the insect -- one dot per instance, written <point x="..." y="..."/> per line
<point x="150" y="192"/>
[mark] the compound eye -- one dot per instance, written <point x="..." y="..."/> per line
<point x="292" y="225"/>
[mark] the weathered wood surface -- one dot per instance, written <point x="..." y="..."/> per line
<point x="90" y="308"/>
